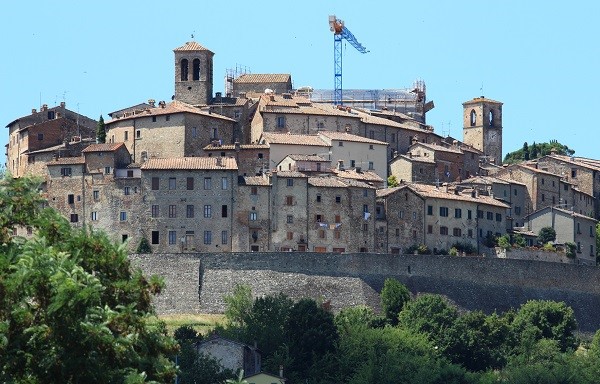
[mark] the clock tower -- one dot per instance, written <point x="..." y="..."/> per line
<point x="482" y="127"/>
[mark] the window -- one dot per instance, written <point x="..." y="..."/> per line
<point x="430" y="210"/>
<point x="74" y="218"/>
<point x="208" y="211"/>
<point x="498" y="217"/>
<point x="207" y="237"/>
<point x="393" y="138"/>
<point x="543" y="181"/>
<point x="196" y="69"/>
<point x="126" y="136"/>
<point x="94" y="216"/>
<point x="318" y="197"/>
<point x="71" y="199"/>
<point x="66" y="171"/>
<point x="370" y="146"/>
<point x="127" y="190"/>
<point x="253" y="216"/>
<point x="207" y="183"/>
<point x="591" y="231"/>
<point x="517" y="210"/>
<point x="172" y="237"/>
<point x="40" y="136"/>
<point x="365" y="208"/>
<point x="371" y="134"/>
<point x="107" y="170"/>
<point x="123" y="216"/>
<point x="290" y="219"/>
<point x="154" y="237"/>
<point x="365" y="227"/>
<point x="154" y="211"/>
<point x="479" y="214"/>
<point x="340" y="143"/>
<point x="184" y="70"/>
<point x="443" y="230"/>
<point x="260" y="155"/>
<point x="444" y="211"/>
<point x="138" y="134"/>
<point x="321" y="234"/>
<point x="470" y="233"/>
<point x="456" y="232"/>
<point x="490" y="215"/>
<point x="371" y="166"/>
<point x="280" y="121"/>
<point x="337" y="235"/>
<point x="457" y="213"/>
<point x="172" y="183"/>
<point x="543" y="197"/>
<point x="414" y="215"/>
<point x="574" y="173"/>
<point x="289" y="200"/>
<point x="290" y="182"/>
<point x="401" y="214"/>
<point x="365" y="193"/>
<point x="190" y="183"/>
<point x="430" y="229"/>
<point x="95" y="195"/>
<point x="397" y="232"/>
<point x="254" y="190"/>
<point x="352" y="163"/>
<point x="338" y="199"/>
<point x="318" y="218"/>
<point x="224" y="183"/>
<point x="224" y="210"/>
<point x="155" y="183"/>
<point x="189" y="211"/>
<point x="469" y="214"/>
<point x="338" y="219"/>
<point x="172" y="211"/>
<point x="214" y="134"/>
<point x="473" y="118"/>
<point x="224" y="237"/>
<point x="154" y="119"/>
<point x="290" y="235"/>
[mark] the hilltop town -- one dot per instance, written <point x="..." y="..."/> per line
<point x="266" y="167"/>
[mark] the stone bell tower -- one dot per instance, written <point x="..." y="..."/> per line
<point x="482" y="127"/>
<point x="193" y="74"/>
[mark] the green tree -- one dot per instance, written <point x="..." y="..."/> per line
<point x="504" y="242"/>
<point x="144" y="246"/>
<point x="537" y="151"/>
<point x="525" y="151"/>
<point x="533" y="152"/>
<point x="541" y="319"/>
<point x="72" y="309"/>
<point x="519" y="240"/>
<point x="352" y="318"/>
<point x="429" y="314"/>
<point x="392" y="181"/>
<point x="100" y="131"/>
<point x="546" y="235"/>
<point x="393" y="297"/>
<point x="238" y="305"/>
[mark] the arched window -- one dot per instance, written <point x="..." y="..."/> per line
<point x="491" y="116"/>
<point x="473" y="117"/>
<point x="184" y="70"/>
<point x="196" y="69"/>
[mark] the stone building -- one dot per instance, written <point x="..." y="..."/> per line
<point x="259" y="83"/>
<point x="252" y="159"/>
<point x="413" y="169"/>
<point x="252" y="227"/>
<point x="231" y="354"/>
<point x="304" y="163"/>
<point x="193" y="74"/>
<point x="172" y="129"/>
<point x="188" y="203"/>
<point x="282" y="144"/>
<point x="570" y="227"/>
<point x="50" y="127"/>
<point x="482" y="126"/>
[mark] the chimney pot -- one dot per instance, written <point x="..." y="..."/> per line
<point x="62" y="104"/>
<point x="151" y="102"/>
<point x="33" y="110"/>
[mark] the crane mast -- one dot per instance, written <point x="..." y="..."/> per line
<point x="340" y="32"/>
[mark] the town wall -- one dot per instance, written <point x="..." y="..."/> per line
<point x="196" y="282"/>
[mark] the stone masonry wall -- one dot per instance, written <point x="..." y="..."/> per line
<point x="488" y="284"/>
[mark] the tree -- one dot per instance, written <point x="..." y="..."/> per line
<point x="72" y="309"/>
<point x="100" y="131"/>
<point x="537" y="150"/>
<point x="546" y="235"/>
<point x="392" y="181"/>
<point x="144" y="246"/>
<point x="239" y="305"/>
<point x="533" y="151"/>
<point x="239" y="379"/>
<point x="541" y="319"/>
<point x="429" y="314"/>
<point x="393" y="297"/>
<point x="525" y="151"/>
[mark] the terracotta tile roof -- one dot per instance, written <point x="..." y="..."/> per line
<point x="436" y="147"/>
<point x="565" y="211"/>
<point x="67" y="161"/>
<point x="290" y="174"/>
<point x="60" y="146"/>
<point x="417" y="159"/>
<point x="263" y="78"/>
<point x="231" y="147"/>
<point x="366" y="176"/>
<point x="191" y="46"/>
<point x="104" y="147"/>
<point x="292" y="139"/>
<point x="532" y="169"/>
<point x="577" y="161"/>
<point x="480" y="100"/>
<point x="432" y="191"/>
<point x="343" y="136"/>
<point x="134" y="166"/>
<point x="314" y="158"/>
<point x="254" y="180"/>
<point x="169" y="109"/>
<point x="193" y="163"/>
<point x="331" y="182"/>
<point x="358" y="183"/>
<point x="388" y="191"/>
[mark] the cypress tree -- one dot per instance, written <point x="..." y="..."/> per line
<point x="100" y="131"/>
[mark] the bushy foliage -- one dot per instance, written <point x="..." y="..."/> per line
<point x="546" y="235"/>
<point x="239" y="305"/>
<point x="519" y="240"/>
<point x="72" y="309"/>
<point x="393" y="297"/>
<point x="465" y="247"/>
<point x="392" y="181"/>
<point x="570" y="249"/>
<point x="144" y="246"/>
<point x="534" y="151"/>
<point x="504" y="242"/>
<point x="420" y="249"/>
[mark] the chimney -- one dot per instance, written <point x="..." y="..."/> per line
<point x="219" y="161"/>
<point x="242" y="95"/>
<point x="62" y="104"/>
<point x="415" y="139"/>
<point x="340" y="165"/>
<point x="219" y="97"/>
<point x="445" y="185"/>
<point x="44" y="108"/>
<point x="33" y="110"/>
<point x="272" y="97"/>
<point x="358" y="169"/>
<point x="236" y="146"/>
<point x="151" y="102"/>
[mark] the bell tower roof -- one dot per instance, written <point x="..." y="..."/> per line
<point x="191" y="46"/>
<point x="481" y="99"/>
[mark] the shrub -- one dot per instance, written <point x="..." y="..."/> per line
<point x="419" y="249"/>
<point x="570" y="249"/>
<point x="465" y="247"/>
<point x="144" y="246"/>
<point x="504" y="242"/>
<point x="453" y="251"/>
<point x="546" y="235"/>
<point x="548" y="247"/>
<point x="519" y="240"/>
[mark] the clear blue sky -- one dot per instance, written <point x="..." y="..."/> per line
<point x="541" y="59"/>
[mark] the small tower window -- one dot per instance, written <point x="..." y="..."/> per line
<point x="491" y="115"/>
<point x="196" y="69"/>
<point x="473" y="118"/>
<point x="184" y="70"/>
